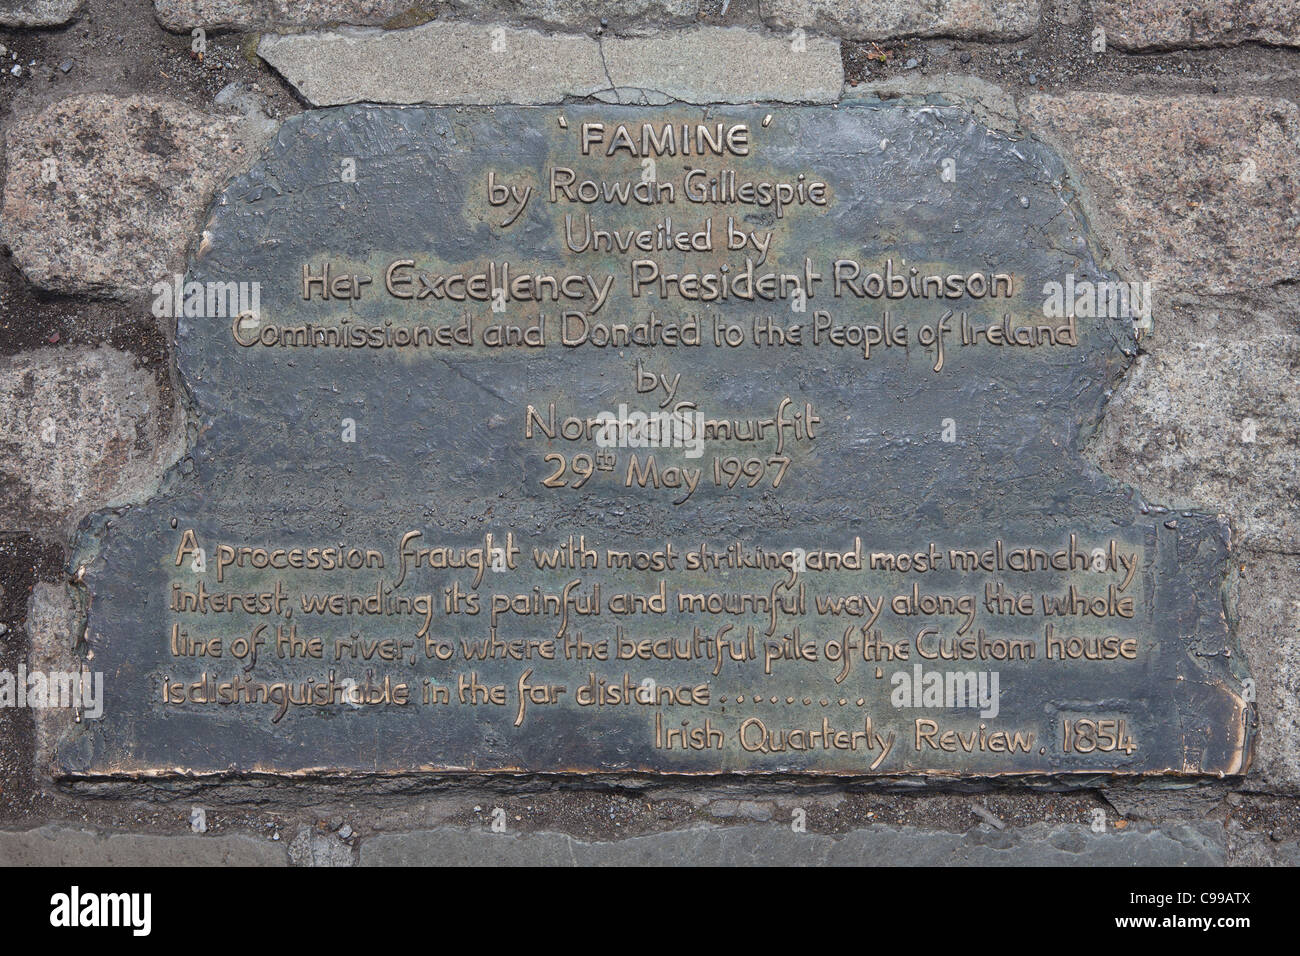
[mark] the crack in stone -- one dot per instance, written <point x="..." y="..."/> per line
<point x="604" y="65"/>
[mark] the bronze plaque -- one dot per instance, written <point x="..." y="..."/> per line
<point x="608" y="439"/>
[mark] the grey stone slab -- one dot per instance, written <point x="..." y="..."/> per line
<point x="586" y="15"/>
<point x="727" y="65"/>
<point x="445" y="63"/>
<point x="38" y="13"/>
<point x="437" y="63"/>
<point x="751" y="845"/>
<point x="632" y="96"/>
<point x="319" y="424"/>
<point x="58" y="845"/>
<point x="893" y="19"/>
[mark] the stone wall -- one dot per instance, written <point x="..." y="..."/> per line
<point x="1181" y="131"/>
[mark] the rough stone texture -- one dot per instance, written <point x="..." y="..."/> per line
<point x="994" y="105"/>
<point x="37" y="13"/>
<point x="54" y="845"/>
<point x="1253" y="848"/>
<point x="630" y="95"/>
<point x="582" y="14"/>
<point x="1209" y="417"/>
<point x="51" y="619"/>
<point x="1167" y="24"/>
<point x="500" y="65"/>
<point x="79" y="430"/>
<point x="884" y="19"/>
<point x="53" y="629"/>
<point x="115" y="211"/>
<point x="437" y="63"/>
<point x="1201" y="844"/>
<point x="1266" y="594"/>
<point x="184" y="15"/>
<point x="747" y="809"/>
<point x="1162" y="803"/>
<point x="1203" y="192"/>
<point x="727" y="65"/>
<point x="313" y="848"/>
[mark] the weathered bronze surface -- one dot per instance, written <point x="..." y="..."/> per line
<point x="887" y="556"/>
